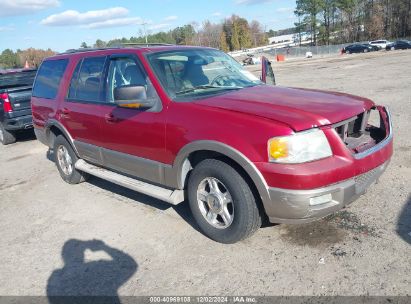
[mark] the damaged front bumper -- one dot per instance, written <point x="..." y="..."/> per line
<point x="301" y="206"/>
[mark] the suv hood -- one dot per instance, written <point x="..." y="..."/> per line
<point x="301" y="109"/>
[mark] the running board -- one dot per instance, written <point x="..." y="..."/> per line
<point x="170" y="196"/>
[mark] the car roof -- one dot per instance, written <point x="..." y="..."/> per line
<point x="125" y="49"/>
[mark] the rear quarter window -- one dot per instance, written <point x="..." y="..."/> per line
<point x="48" y="78"/>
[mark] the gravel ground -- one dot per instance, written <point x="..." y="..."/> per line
<point x="99" y="238"/>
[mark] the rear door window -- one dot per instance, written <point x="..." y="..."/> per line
<point x="87" y="81"/>
<point x="48" y="78"/>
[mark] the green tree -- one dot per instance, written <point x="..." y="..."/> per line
<point x="244" y="33"/>
<point x="84" y="45"/>
<point x="184" y="34"/>
<point x="223" y="42"/>
<point x="235" y="41"/>
<point x="310" y="10"/>
<point x="100" y="44"/>
<point x="9" y="59"/>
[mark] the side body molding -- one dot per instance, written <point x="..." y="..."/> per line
<point x="177" y="175"/>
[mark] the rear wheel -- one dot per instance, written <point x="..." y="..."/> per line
<point x="222" y="202"/>
<point x="365" y="50"/>
<point x="65" y="159"/>
<point x="6" y="137"/>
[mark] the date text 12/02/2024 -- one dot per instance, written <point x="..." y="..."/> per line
<point x="205" y="299"/>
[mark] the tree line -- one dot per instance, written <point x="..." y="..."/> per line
<point x="233" y="33"/>
<point x="340" y="21"/>
<point x="33" y="57"/>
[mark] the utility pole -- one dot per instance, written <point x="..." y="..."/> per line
<point x="145" y="30"/>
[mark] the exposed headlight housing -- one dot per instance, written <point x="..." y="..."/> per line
<point x="299" y="148"/>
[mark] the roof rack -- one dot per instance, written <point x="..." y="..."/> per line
<point x="117" y="46"/>
<point x="81" y="50"/>
<point x="146" y="44"/>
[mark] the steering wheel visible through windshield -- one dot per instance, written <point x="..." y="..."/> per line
<point x="195" y="73"/>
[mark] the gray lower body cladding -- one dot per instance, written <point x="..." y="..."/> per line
<point x="281" y="205"/>
<point x="296" y="206"/>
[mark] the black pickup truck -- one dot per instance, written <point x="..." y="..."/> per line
<point x="15" y="108"/>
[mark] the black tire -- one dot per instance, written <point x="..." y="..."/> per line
<point x="246" y="215"/>
<point x="6" y="137"/>
<point x="75" y="177"/>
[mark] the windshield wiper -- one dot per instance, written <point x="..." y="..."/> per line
<point x="206" y="87"/>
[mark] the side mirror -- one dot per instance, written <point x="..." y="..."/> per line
<point x="132" y="97"/>
<point x="267" y="73"/>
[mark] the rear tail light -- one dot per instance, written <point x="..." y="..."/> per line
<point x="6" y="102"/>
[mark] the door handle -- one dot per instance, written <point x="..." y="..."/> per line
<point x="110" y="118"/>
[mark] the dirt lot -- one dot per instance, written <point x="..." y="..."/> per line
<point x="151" y="248"/>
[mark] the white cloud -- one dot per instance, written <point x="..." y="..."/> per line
<point x="170" y="18"/>
<point x="90" y="18"/>
<point x="216" y="14"/>
<point x="24" y="7"/>
<point x="252" y="2"/>
<point x="116" y="22"/>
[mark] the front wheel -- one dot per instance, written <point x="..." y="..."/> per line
<point x="222" y="202"/>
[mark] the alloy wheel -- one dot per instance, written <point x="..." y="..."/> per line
<point x="215" y="203"/>
<point x="64" y="160"/>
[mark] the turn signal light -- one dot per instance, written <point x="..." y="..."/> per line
<point x="278" y="148"/>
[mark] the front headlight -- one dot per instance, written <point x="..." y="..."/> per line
<point x="299" y="148"/>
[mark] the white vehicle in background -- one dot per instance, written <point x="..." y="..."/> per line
<point x="380" y="43"/>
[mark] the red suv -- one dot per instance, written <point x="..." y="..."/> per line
<point x="191" y="123"/>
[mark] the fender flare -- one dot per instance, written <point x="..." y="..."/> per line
<point x="182" y="166"/>
<point x="54" y="123"/>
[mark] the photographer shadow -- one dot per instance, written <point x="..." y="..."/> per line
<point x="404" y="222"/>
<point x="94" y="281"/>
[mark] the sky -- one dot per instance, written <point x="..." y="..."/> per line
<point x="64" y="24"/>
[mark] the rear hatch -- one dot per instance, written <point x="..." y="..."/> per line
<point x="20" y="98"/>
<point x="17" y="84"/>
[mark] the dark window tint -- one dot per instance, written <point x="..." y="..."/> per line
<point x="48" y="78"/>
<point x="17" y="79"/>
<point x="89" y="82"/>
<point x="74" y="81"/>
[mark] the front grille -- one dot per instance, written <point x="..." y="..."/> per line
<point x="357" y="134"/>
<point x="350" y="127"/>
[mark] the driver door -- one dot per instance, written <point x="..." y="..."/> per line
<point x="133" y="138"/>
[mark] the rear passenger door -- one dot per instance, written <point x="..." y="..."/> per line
<point x="84" y="107"/>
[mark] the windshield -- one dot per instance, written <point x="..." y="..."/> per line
<point x="197" y="73"/>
